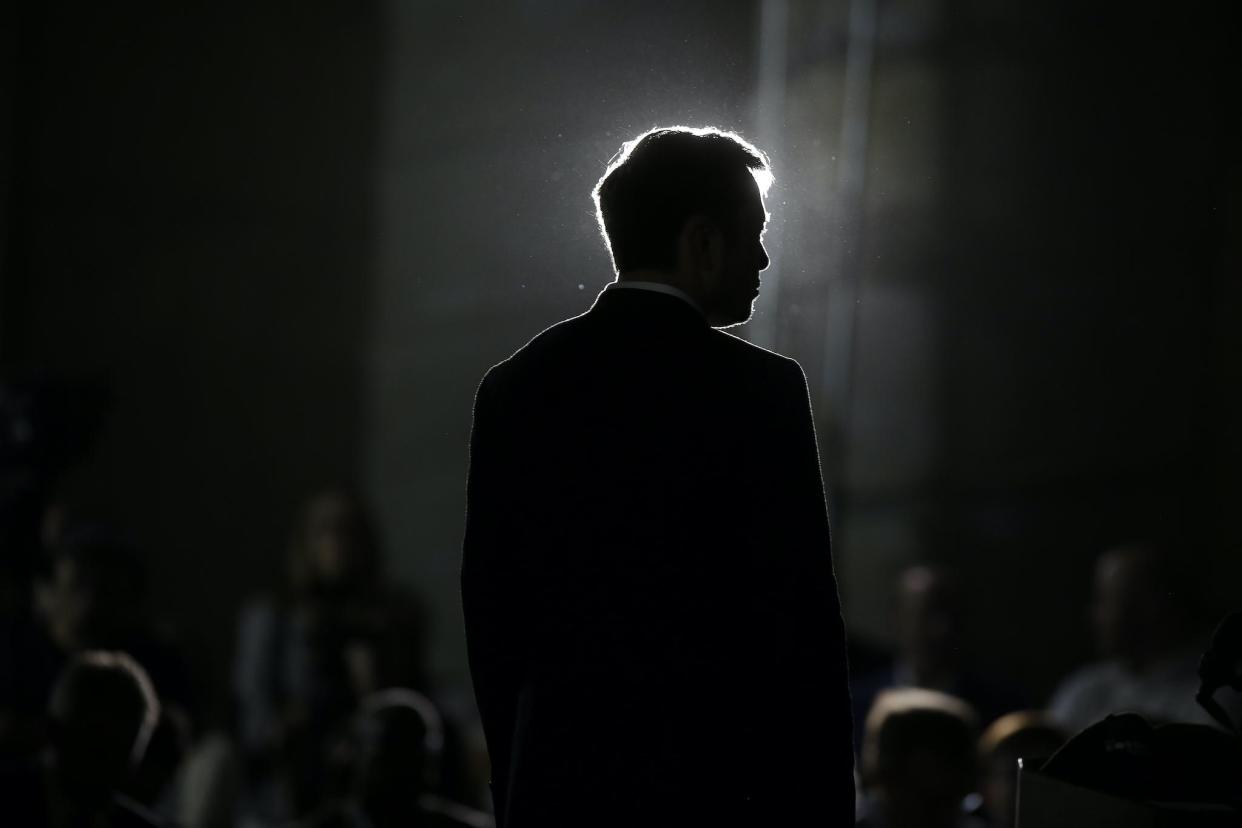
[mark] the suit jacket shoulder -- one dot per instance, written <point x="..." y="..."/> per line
<point x="758" y="356"/>
<point x="568" y="337"/>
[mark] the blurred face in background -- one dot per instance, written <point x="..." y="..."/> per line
<point x="1128" y="611"/>
<point x="334" y="539"/>
<point x="928" y="619"/>
<point x="65" y="604"/>
<point x="92" y="595"/>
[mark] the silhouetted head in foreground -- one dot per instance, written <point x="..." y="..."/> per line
<point x="918" y="757"/>
<point x="397" y="737"/>
<point x="1026" y="735"/>
<point x="685" y="207"/>
<point x="102" y="713"/>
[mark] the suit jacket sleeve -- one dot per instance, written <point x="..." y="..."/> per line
<point x="493" y="640"/>
<point x="823" y="620"/>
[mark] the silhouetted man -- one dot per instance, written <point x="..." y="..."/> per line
<point x="651" y="612"/>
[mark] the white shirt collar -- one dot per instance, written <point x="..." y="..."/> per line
<point x="659" y="287"/>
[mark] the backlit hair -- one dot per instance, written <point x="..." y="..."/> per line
<point x="663" y="177"/>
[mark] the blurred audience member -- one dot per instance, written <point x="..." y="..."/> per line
<point x="47" y="426"/>
<point x="306" y="656"/>
<point x="28" y="660"/>
<point x="1141" y="616"/>
<point x="208" y="783"/>
<point x="395" y="743"/>
<point x="101" y="717"/>
<point x="93" y="597"/>
<point x="154" y="779"/>
<point x="465" y="765"/>
<point x="1026" y="735"/>
<point x="918" y="761"/>
<point x="929" y="650"/>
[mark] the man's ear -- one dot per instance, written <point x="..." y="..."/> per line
<point x="702" y="244"/>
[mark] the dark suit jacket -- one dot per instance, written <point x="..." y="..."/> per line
<point x="652" y="618"/>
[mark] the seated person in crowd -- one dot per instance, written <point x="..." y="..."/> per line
<point x="394" y="747"/>
<point x="929" y="626"/>
<point x="918" y="761"/>
<point x="308" y="654"/>
<point x="28" y="662"/>
<point x="93" y="595"/>
<point x="1147" y="642"/>
<point x="101" y="716"/>
<point x="1026" y="735"/>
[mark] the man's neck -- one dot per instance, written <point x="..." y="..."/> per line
<point x="665" y="282"/>
<point x="671" y="278"/>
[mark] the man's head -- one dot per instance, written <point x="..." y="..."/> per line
<point x="688" y="204"/>
<point x="334" y="546"/>
<point x="928" y="621"/>
<point x="1028" y="735"/>
<point x="397" y="739"/>
<point x="918" y="755"/>
<point x="93" y="590"/>
<point x="1139" y="609"/>
<point x="102" y="713"/>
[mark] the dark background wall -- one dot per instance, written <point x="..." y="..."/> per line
<point x="190" y="222"/>
<point x="291" y="240"/>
